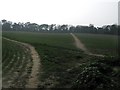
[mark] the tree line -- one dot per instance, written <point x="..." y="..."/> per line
<point x="33" y="27"/>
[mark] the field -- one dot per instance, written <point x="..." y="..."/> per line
<point x="53" y="39"/>
<point x="15" y="65"/>
<point x="63" y="65"/>
<point x="100" y="44"/>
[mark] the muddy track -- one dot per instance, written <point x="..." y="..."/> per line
<point x="33" y="78"/>
<point x="81" y="46"/>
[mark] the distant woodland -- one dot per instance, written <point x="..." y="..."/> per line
<point x="33" y="27"/>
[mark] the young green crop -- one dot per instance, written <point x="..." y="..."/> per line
<point x="63" y="64"/>
<point x="100" y="44"/>
<point x="54" y="39"/>
<point x="14" y="64"/>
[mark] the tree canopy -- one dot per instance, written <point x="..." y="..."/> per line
<point x="106" y="29"/>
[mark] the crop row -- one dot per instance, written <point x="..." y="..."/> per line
<point x="16" y="63"/>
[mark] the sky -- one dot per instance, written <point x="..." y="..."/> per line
<point x="119" y="13"/>
<point x="75" y="12"/>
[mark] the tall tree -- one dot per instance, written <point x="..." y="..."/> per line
<point x="6" y="25"/>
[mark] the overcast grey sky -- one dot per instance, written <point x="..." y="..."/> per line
<point x="82" y="12"/>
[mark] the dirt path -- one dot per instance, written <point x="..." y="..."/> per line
<point x="33" y="79"/>
<point x="81" y="46"/>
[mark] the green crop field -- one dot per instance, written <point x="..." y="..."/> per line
<point x="54" y="39"/>
<point x="63" y="65"/>
<point x="15" y="59"/>
<point x="100" y="44"/>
